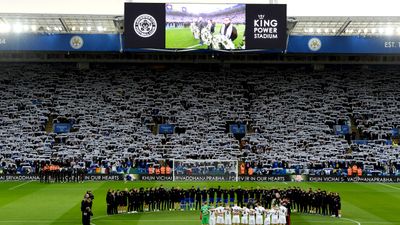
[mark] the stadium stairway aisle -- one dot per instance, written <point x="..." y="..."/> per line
<point x="49" y="124"/>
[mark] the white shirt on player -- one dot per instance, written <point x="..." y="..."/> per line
<point x="274" y="216"/>
<point x="220" y="214"/>
<point x="259" y="214"/>
<point x="245" y="213"/>
<point x="236" y="214"/>
<point x="252" y="217"/>
<point x="282" y="214"/>
<point x="212" y="217"/>
<point x="228" y="218"/>
<point x="267" y="218"/>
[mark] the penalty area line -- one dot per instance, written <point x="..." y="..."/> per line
<point x="19" y="185"/>
<point x="389" y="186"/>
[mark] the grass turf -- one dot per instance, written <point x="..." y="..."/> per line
<point x="182" y="38"/>
<point x="24" y="203"/>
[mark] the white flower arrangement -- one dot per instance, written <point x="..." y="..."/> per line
<point x="206" y="36"/>
<point x="220" y="41"/>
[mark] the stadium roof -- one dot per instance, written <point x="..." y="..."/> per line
<point x="308" y="17"/>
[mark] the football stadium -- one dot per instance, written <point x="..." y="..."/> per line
<point x="199" y="112"/>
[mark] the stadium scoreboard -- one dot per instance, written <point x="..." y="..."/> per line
<point x="197" y="26"/>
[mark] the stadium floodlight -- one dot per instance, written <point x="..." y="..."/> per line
<point x="373" y="30"/>
<point x="5" y="28"/>
<point x="26" y="28"/>
<point x="366" y="30"/>
<point x="389" y="30"/>
<point x="55" y="28"/>
<point x="318" y="30"/>
<point x="81" y="28"/>
<point x="34" y="28"/>
<point x="381" y="30"/>
<point x="311" y="30"/>
<point x="73" y="28"/>
<point x="326" y="30"/>
<point x="18" y="28"/>
<point x="48" y="28"/>
<point x="99" y="28"/>
<point x="333" y="30"/>
<point x="398" y="30"/>
<point x="89" y="28"/>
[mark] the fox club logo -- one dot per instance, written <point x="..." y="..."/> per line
<point x="145" y="25"/>
<point x="76" y="42"/>
<point x="314" y="44"/>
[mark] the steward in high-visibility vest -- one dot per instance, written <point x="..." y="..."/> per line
<point x="163" y="170"/>
<point x="168" y="170"/>
<point x="359" y="172"/>
<point x="242" y="169"/>
<point x="349" y="172"/>
<point x="151" y="170"/>
<point x="250" y="171"/>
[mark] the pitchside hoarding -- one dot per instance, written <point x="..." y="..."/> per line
<point x="205" y="26"/>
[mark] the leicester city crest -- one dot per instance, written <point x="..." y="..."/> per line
<point x="145" y="25"/>
<point x="76" y="42"/>
<point x="314" y="44"/>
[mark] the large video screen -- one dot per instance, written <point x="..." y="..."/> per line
<point x="201" y="26"/>
<point x="189" y="26"/>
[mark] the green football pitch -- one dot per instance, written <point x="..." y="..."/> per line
<point x="182" y="38"/>
<point x="23" y="203"/>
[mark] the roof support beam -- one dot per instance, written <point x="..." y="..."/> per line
<point x="66" y="28"/>
<point x="342" y="29"/>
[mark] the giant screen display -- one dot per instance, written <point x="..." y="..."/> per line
<point x="205" y="26"/>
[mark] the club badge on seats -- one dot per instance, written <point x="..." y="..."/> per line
<point x="76" y="42"/>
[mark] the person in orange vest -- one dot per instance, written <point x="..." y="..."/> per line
<point x="242" y="169"/>
<point x="158" y="171"/>
<point x="359" y="172"/>
<point x="355" y="169"/>
<point x="151" y="170"/>
<point x="349" y="172"/>
<point x="163" y="170"/>
<point x="168" y="170"/>
<point x="250" y="171"/>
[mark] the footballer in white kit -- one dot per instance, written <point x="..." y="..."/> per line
<point x="212" y="217"/>
<point x="282" y="211"/>
<point x="220" y="215"/>
<point x="274" y="216"/>
<point x="259" y="214"/>
<point x="236" y="215"/>
<point x="228" y="217"/>
<point x="245" y="213"/>
<point x="267" y="217"/>
<point x="252" y="216"/>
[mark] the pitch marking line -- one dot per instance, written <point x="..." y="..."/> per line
<point x="354" y="221"/>
<point x="194" y="46"/>
<point x="389" y="186"/>
<point x="20" y="185"/>
<point x="310" y="221"/>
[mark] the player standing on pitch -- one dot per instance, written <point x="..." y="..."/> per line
<point x="204" y="214"/>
